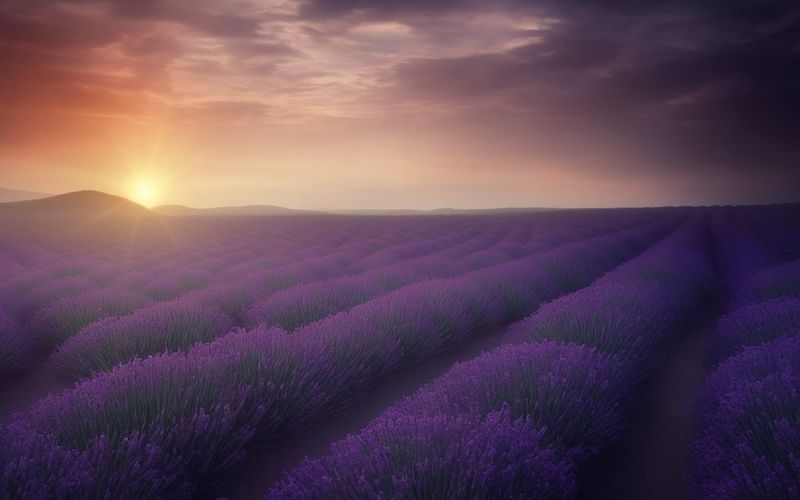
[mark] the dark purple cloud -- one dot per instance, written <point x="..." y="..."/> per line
<point x="701" y="84"/>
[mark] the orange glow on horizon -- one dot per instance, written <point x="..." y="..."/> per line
<point x="146" y="192"/>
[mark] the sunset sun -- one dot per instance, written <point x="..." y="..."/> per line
<point x="145" y="192"/>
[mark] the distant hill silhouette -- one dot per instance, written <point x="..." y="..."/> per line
<point x="96" y="204"/>
<point x="9" y="195"/>
<point x="245" y="210"/>
<point x="439" y="211"/>
<point x="90" y="216"/>
<point x="93" y="203"/>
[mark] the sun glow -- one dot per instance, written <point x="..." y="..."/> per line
<point x="145" y="192"/>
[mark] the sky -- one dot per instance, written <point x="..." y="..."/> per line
<point x="403" y="103"/>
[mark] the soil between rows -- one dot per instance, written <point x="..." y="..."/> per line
<point x="22" y="389"/>
<point x="266" y="464"/>
<point x="651" y="460"/>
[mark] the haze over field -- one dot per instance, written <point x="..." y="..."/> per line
<point x="324" y="104"/>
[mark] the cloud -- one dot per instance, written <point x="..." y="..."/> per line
<point x="224" y="112"/>
<point x="381" y="9"/>
<point x="214" y="18"/>
<point x="700" y="86"/>
<point x="622" y="87"/>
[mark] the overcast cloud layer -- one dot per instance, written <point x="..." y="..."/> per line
<point x="393" y="103"/>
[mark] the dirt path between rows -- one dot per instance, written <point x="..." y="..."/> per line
<point x="20" y="390"/>
<point x="265" y="465"/>
<point x="651" y="460"/>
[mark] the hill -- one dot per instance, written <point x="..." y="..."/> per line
<point x="242" y="211"/>
<point x="439" y="211"/>
<point x="265" y="210"/>
<point x="94" y="203"/>
<point x="82" y="215"/>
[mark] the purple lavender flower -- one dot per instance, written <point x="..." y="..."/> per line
<point x="161" y="327"/>
<point x="753" y="325"/>
<point x="775" y="282"/>
<point x="631" y="311"/>
<point x="531" y="381"/>
<point x="435" y="456"/>
<point x="749" y="442"/>
<point x="42" y="295"/>
<point x="64" y="317"/>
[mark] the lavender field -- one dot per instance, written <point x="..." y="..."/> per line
<point x="597" y="353"/>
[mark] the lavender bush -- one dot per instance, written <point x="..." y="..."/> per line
<point x="749" y="406"/>
<point x="530" y="382"/>
<point x="305" y="304"/>
<point x="631" y="311"/>
<point x="753" y="325"/>
<point x="750" y="409"/>
<point x="162" y="327"/>
<point x="27" y="303"/>
<point x="64" y="317"/>
<point x="776" y="282"/>
<point x="475" y="457"/>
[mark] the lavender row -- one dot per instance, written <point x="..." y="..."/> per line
<point x="301" y="305"/>
<point x="57" y="253"/>
<point x="219" y="243"/>
<point x="63" y="311"/>
<point x="236" y="297"/>
<point x="106" y="344"/>
<point x="166" y="280"/>
<point x="486" y="440"/>
<point x="749" y="406"/>
<point x="763" y="291"/>
<point x="749" y="424"/>
<point x="752" y="325"/>
<point x="63" y="297"/>
<point x="764" y="307"/>
<point x="163" y="327"/>
<point x="632" y="312"/>
<point x="781" y="281"/>
<point x="64" y="317"/>
<point x="32" y="291"/>
<point x="520" y="420"/>
<point x="163" y="425"/>
<point x="74" y="301"/>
